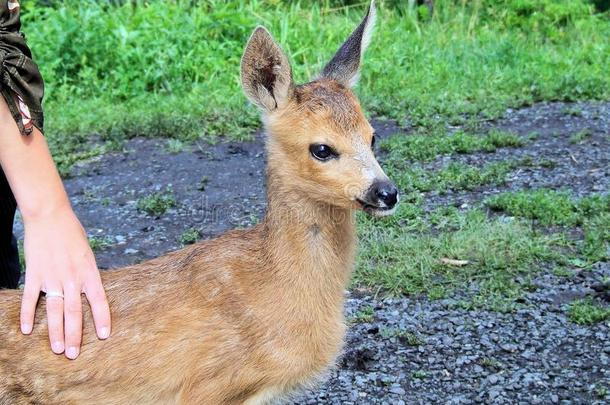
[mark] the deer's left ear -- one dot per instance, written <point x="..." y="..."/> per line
<point x="265" y="72"/>
<point x="345" y="65"/>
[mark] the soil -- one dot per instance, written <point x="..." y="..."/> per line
<point x="534" y="355"/>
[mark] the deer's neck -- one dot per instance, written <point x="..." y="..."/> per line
<point x="309" y="245"/>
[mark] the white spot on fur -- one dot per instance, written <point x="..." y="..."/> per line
<point x="354" y="80"/>
<point x="384" y="213"/>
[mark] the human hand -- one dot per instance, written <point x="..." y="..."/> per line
<point x="60" y="262"/>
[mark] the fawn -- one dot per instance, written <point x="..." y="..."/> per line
<point x="253" y="315"/>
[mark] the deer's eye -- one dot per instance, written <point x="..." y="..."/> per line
<point x="322" y="152"/>
<point x="373" y="140"/>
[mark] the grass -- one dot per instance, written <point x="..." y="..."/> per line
<point x="559" y="209"/>
<point x="419" y="374"/>
<point x="550" y="207"/>
<point x="404" y="337"/>
<point x="364" y="315"/>
<point x="490" y="364"/>
<point x="409" y="338"/>
<point x="596" y="244"/>
<point x="143" y="68"/>
<point x="97" y="243"/>
<point x="175" y="146"/>
<point x="455" y="176"/>
<point x="601" y="391"/>
<point x="190" y="236"/>
<point x="497" y="257"/>
<point x="156" y="204"/>
<point x="426" y="147"/>
<point x="501" y="256"/>
<point x="581" y="135"/>
<point x="588" y="312"/>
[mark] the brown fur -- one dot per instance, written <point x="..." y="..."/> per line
<point x="247" y="317"/>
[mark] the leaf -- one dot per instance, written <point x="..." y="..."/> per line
<point x="454" y="262"/>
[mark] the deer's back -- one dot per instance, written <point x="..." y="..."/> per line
<point x="174" y="319"/>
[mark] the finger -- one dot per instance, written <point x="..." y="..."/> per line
<point x="99" y="305"/>
<point x="73" y="319"/>
<point x="55" y="316"/>
<point x="29" y="300"/>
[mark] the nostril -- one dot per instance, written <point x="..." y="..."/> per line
<point x="383" y="193"/>
<point x="387" y="193"/>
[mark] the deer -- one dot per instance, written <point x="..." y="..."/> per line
<point x="253" y="316"/>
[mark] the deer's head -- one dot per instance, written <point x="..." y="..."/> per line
<point x="318" y="136"/>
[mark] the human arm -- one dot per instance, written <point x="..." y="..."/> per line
<point x="57" y="254"/>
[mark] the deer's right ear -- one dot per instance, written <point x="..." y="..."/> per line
<point x="265" y="72"/>
<point x="345" y="65"/>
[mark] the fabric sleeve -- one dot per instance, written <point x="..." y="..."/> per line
<point x="21" y="83"/>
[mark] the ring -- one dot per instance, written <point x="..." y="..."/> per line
<point x="52" y="294"/>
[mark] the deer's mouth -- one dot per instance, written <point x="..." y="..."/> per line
<point x="376" y="210"/>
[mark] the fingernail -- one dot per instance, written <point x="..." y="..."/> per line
<point x="72" y="352"/>
<point x="57" y="347"/>
<point x="104" y="333"/>
<point x="26" y="328"/>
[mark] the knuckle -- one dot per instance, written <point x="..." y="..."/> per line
<point x="72" y="287"/>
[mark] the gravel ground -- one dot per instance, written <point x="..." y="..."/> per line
<point x="416" y="351"/>
<point x="412" y="350"/>
<point x="556" y="162"/>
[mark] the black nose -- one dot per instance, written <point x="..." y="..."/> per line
<point x="384" y="193"/>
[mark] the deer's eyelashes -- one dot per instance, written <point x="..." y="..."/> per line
<point x="322" y="152"/>
<point x="373" y="140"/>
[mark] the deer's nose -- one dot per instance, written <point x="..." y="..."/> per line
<point x="384" y="193"/>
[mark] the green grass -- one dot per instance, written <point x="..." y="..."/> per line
<point x="550" y="207"/>
<point x="490" y="364"/>
<point x="406" y="253"/>
<point x="97" y="243"/>
<point x="190" y="236"/>
<point x="455" y="176"/>
<point x="601" y="391"/>
<point x="175" y="146"/>
<point x="409" y="338"/>
<point x="419" y="374"/>
<point x="581" y="135"/>
<point x="400" y="149"/>
<point x="146" y="68"/>
<point x="588" y="312"/>
<point x="596" y="244"/>
<point x="364" y="315"/>
<point x="156" y="204"/>
<point x="502" y="256"/>
<point x="559" y="209"/>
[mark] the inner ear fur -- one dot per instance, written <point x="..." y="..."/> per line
<point x="345" y="65"/>
<point x="266" y="76"/>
